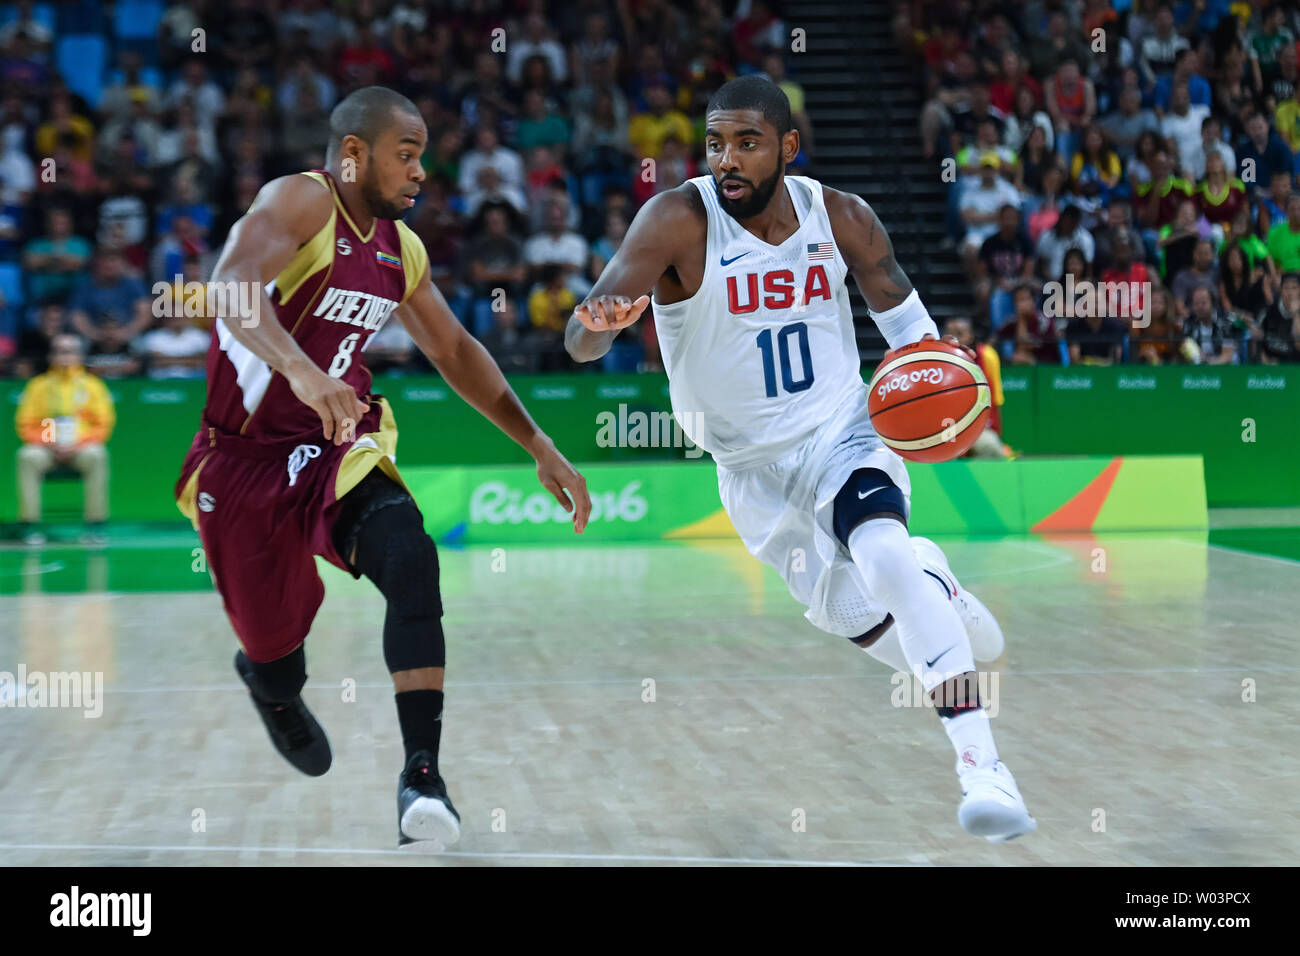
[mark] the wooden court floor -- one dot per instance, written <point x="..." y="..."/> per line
<point x="668" y="704"/>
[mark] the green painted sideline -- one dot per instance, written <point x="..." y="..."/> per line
<point x="1240" y="419"/>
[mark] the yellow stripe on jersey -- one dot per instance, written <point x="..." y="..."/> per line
<point x="370" y="450"/>
<point x="316" y="254"/>
<point x="188" y="500"/>
<point x="414" y="258"/>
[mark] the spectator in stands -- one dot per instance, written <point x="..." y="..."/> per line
<point x="304" y="75"/>
<point x="1186" y="63"/>
<point x="1178" y="240"/>
<point x="26" y="23"/>
<point x="549" y="307"/>
<point x="364" y="61"/>
<point x="1023" y="118"/>
<point x="559" y="246"/>
<point x="1221" y="196"/>
<point x="1072" y="104"/>
<point x="1095" y="170"/>
<point x="987" y="143"/>
<point x="1156" y="342"/>
<point x="1126" y="125"/>
<point x="1160" y="48"/>
<point x="540" y="126"/>
<point x="17" y="175"/>
<point x="54" y="261"/>
<point x="195" y="88"/>
<point x="486" y="98"/>
<point x="1209" y="332"/>
<point x="65" y="418"/>
<point x="603" y="249"/>
<point x="760" y="30"/>
<point x="1013" y="76"/>
<point x="1094" y="339"/>
<point x="511" y="347"/>
<point x="1036" y="158"/>
<point x="494" y="259"/>
<point x="1182" y="124"/>
<point x="1128" y="270"/>
<point x="1279" y="89"/>
<point x="176" y="349"/>
<point x="176" y="32"/>
<point x="36" y="342"/>
<point x="1271" y="37"/>
<point x="1265" y="150"/>
<point x="989" y="443"/>
<point x="774" y="69"/>
<point x="594" y="46"/>
<point x="979" y="208"/>
<point x="1212" y="142"/>
<point x="119" y="99"/>
<point x="1160" y="199"/>
<point x="1279" y="333"/>
<point x="68" y="129"/>
<point x="1272" y="207"/>
<point x="1119" y="221"/>
<point x="1236" y="88"/>
<point x="536" y="41"/>
<point x="648" y="130"/>
<point x="1244" y="291"/>
<point x="1284" y="238"/>
<point x="1030" y="337"/>
<point x="1060" y="43"/>
<point x="1067" y="234"/>
<point x="1006" y="259"/>
<point x="108" y="300"/>
<point x="1287" y="119"/>
<point x="1203" y="273"/>
<point x="489" y="153"/>
<point x="246" y="37"/>
<point x="137" y="124"/>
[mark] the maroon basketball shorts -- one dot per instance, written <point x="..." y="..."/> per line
<point x="264" y="511"/>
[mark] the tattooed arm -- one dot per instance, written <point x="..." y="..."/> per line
<point x="869" y="254"/>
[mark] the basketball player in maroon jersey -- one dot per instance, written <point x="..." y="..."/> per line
<point x="295" y="456"/>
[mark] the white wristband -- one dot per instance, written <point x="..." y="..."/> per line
<point x="906" y="322"/>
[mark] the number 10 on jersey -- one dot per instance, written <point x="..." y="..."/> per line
<point x="799" y="329"/>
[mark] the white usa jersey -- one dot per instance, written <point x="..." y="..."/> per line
<point x="764" y="353"/>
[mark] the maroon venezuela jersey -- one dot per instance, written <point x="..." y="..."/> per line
<point x="338" y="291"/>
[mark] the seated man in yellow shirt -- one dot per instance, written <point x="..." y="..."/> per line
<point x="647" y="131"/>
<point x="64" y="419"/>
<point x="549" y="307"/>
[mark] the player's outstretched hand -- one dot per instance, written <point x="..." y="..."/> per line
<point x="951" y="340"/>
<point x="609" y="313"/>
<point x="558" y="476"/>
<point x="333" y="400"/>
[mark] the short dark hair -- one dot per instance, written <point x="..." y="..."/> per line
<point x="366" y="113"/>
<point x="755" y="93"/>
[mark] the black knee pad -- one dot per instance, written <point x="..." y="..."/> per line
<point x="397" y="554"/>
<point x="869" y="491"/>
<point x="280" y="681"/>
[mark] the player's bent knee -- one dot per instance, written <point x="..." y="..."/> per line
<point x="869" y="493"/>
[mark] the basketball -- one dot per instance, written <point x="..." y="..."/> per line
<point x="928" y="401"/>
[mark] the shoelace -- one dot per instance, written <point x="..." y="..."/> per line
<point x="292" y="725"/>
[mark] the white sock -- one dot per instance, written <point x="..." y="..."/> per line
<point x="931" y="635"/>
<point x="972" y="738"/>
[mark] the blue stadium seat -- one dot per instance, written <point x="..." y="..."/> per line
<point x="11" y="284"/>
<point x="149" y="76"/>
<point x="137" y="19"/>
<point x="79" y="16"/>
<point x="42" y="13"/>
<point x="81" y="59"/>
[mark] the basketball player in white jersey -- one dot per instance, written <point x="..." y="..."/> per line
<point x="748" y="268"/>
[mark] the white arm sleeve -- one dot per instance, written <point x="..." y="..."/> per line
<point x="906" y="322"/>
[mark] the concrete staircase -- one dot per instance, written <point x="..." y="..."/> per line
<point x="864" y="99"/>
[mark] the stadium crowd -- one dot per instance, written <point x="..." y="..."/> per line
<point x="1123" y="173"/>
<point x="117" y="186"/>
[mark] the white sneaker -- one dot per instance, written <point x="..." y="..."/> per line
<point x="991" y="804"/>
<point x="986" y="639"/>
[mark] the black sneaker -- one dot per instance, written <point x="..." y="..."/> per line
<point x="424" y="811"/>
<point x="294" y="731"/>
